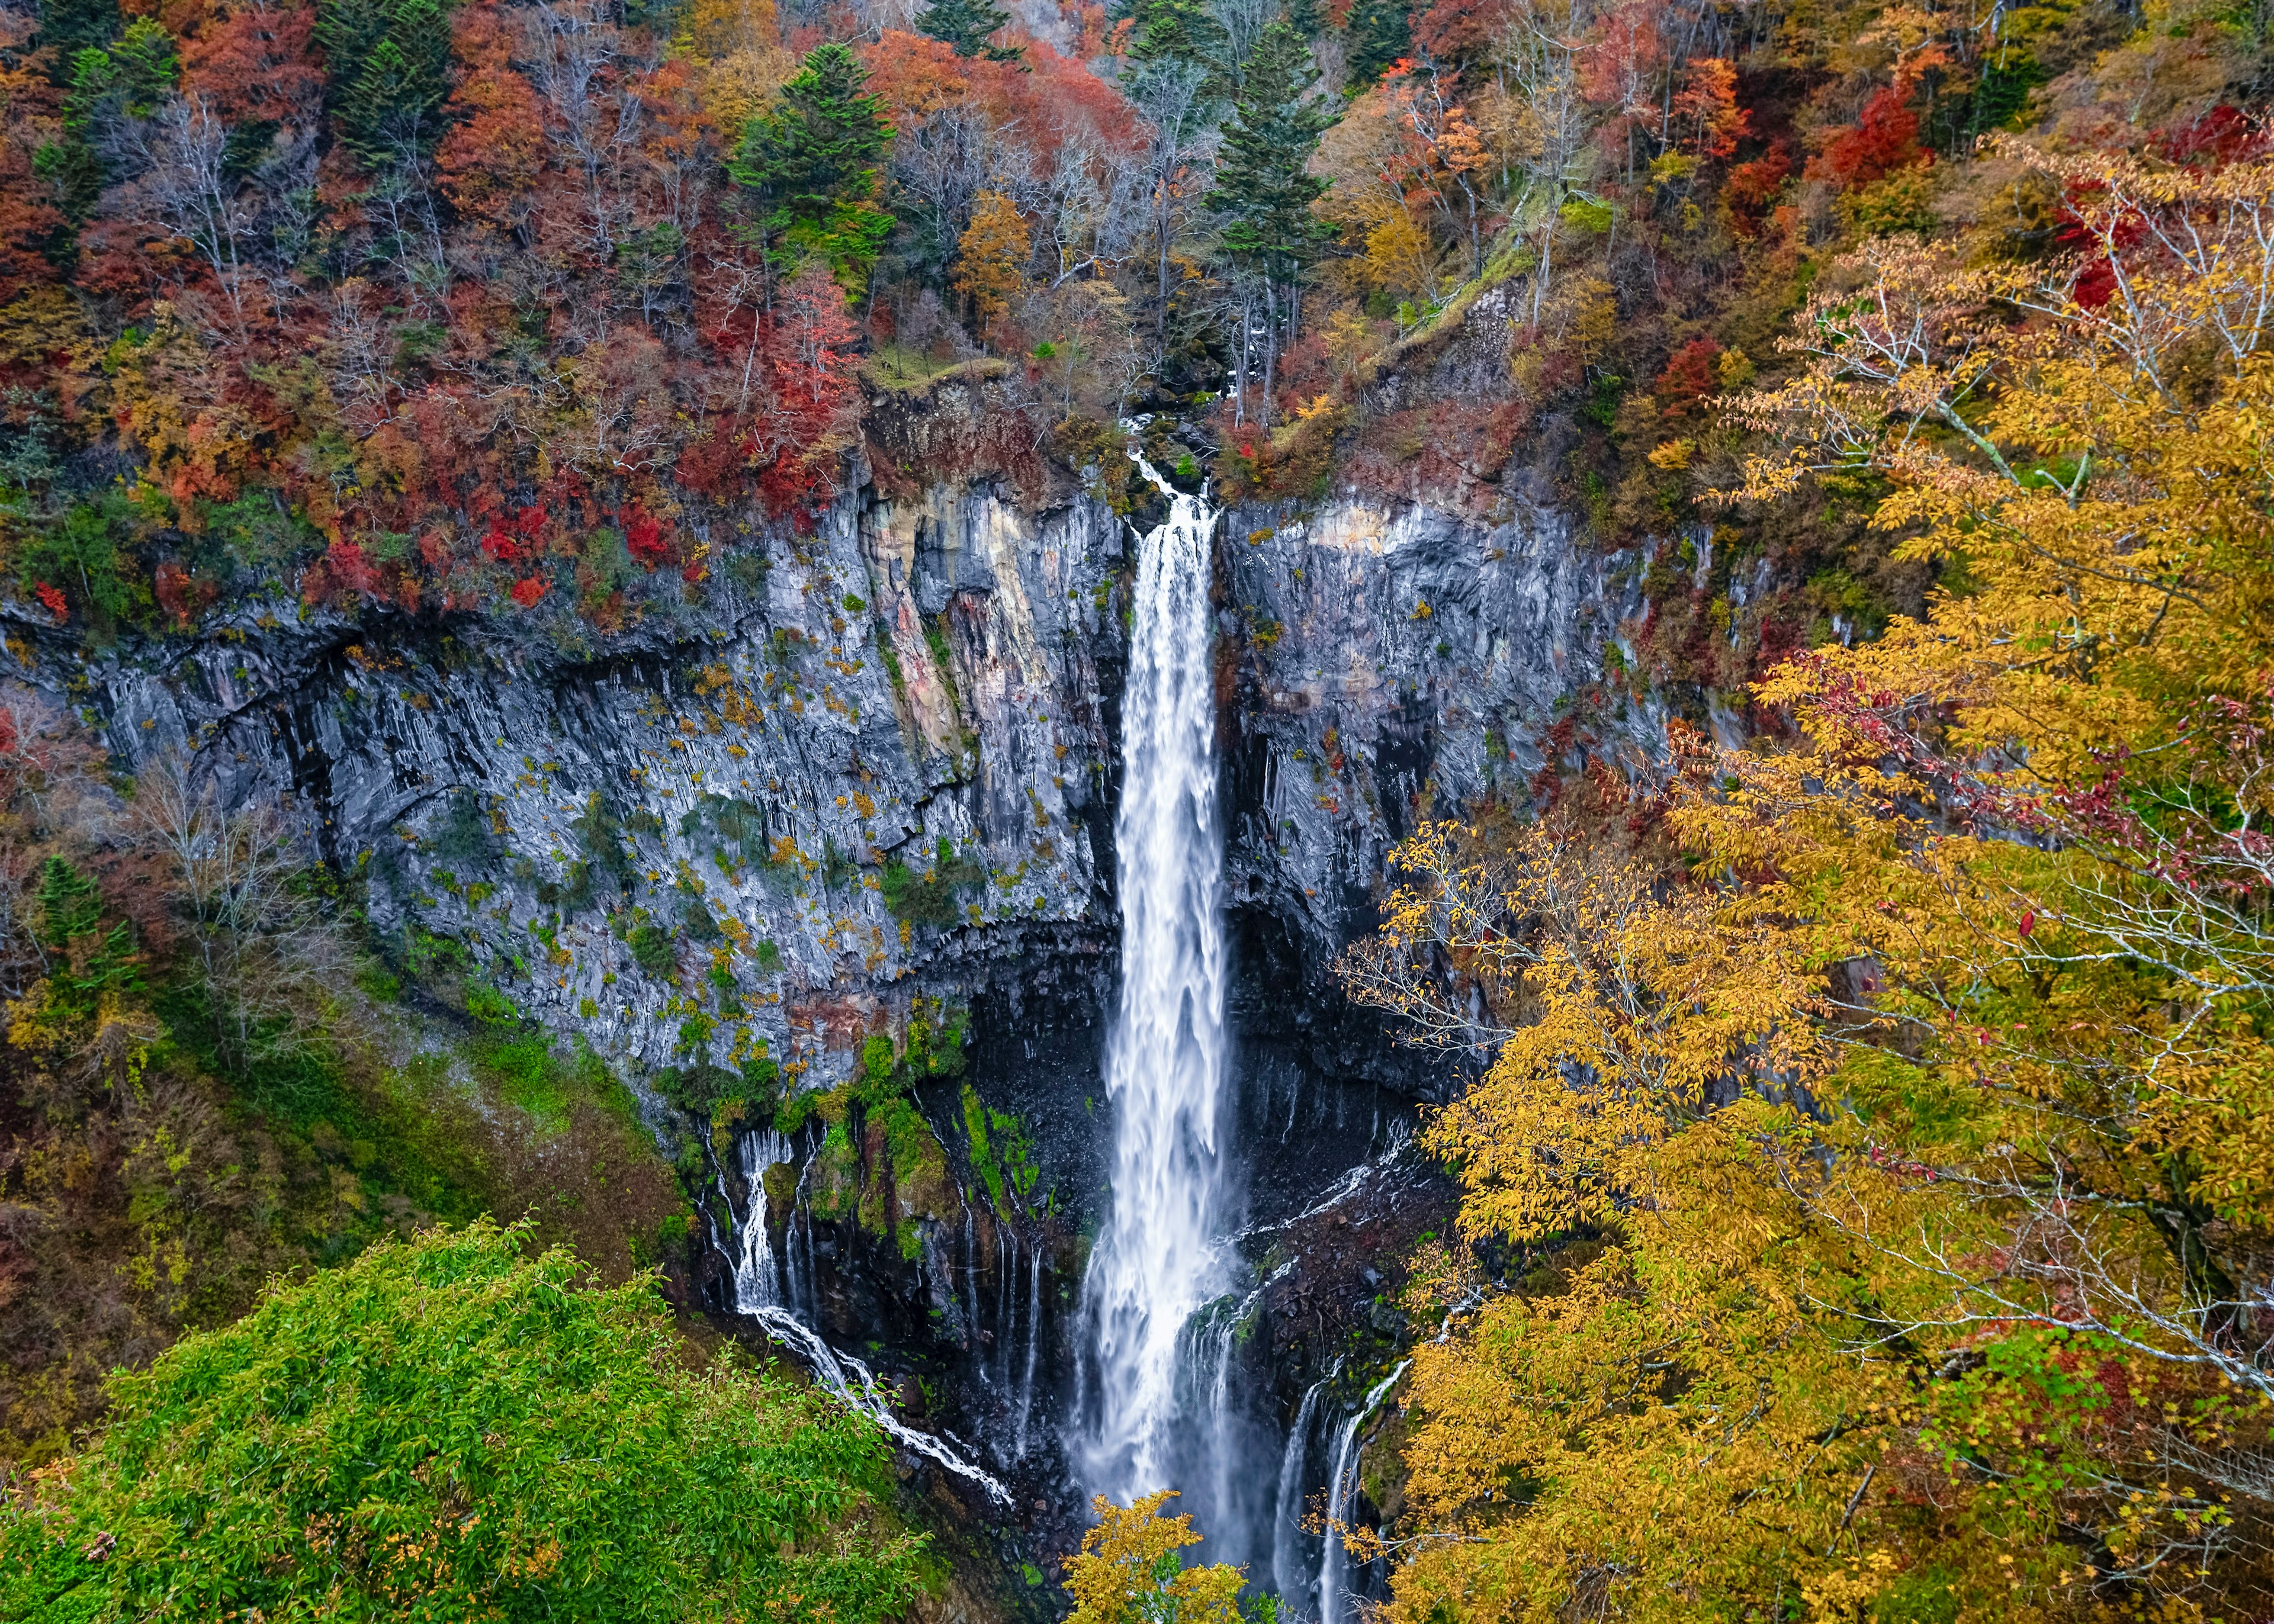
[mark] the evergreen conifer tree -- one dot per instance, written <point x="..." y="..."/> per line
<point x="1264" y="191"/>
<point x="84" y="959"/>
<point x="389" y="64"/>
<point x="810" y="163"/>
<point x="70" y="26"/>
<point x="1380" y="32"/>
<point x="1261" y="183"/>
<point x="967" y="26"/>
<point x="1176" y="31"/>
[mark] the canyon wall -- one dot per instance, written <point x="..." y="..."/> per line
<point x="875" y="763"/>
<point x="869" y="762"/>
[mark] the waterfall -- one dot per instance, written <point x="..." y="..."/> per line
<point x="1342" y="1503"/>
<point x="756" y="1284"/>
<point x="1287" y="1521"/>
<point x="1207" y="1400"/>
<point x="973" y="1324"/>
<point x="851" y="1380"/>
<point x="1007" y="1316"/>
<point x="758" y="1294"/>
<point x="1034" y="1340"/>
<point x="1155" y="1262"/>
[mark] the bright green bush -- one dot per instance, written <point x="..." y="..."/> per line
<point x="446" y="1429"/>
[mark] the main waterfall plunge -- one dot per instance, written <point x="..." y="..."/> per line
<point x="1156" y="1262"/>
<point x="1148" y="1379"/>
<point x="1167" y="1298"/>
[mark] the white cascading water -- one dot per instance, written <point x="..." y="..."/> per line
<point x="759" y="1294"/>
<point x="758" y="1285"/>
<point x="1155" y="1261"/>
<point x="1287" y="1505"/>
<point x="1341" y="1502"/>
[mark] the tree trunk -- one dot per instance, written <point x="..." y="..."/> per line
<point x="1270" y="346"/>
<point x="1239" y="368"/>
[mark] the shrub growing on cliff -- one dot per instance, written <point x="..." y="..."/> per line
<point x="653" y="949"/>
<point x="451" y="1428"/>
<point x="930" y="897"/>
<point x="1128" y="1571"/>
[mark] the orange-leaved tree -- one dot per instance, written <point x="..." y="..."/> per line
<point x="991" y="259"/>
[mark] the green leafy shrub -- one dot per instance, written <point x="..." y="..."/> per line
<point x="877" y="1062"/>
<point x="1000" y="1151"/>
<point x="930" y="897"/>
<point x="653" y="949"/>
<point x="446" y="1428"/>
<point x="485" y="1003"/>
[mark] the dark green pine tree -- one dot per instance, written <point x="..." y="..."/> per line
<point x="388" y="65"/>
<point x="1176" y="31"/>
<point x="84" y="959"/>
<point x="112" y="86"/>
<point x="1263" y="187"/>
<point x="810" y="162"/>
<point x="966" y="25"/>
<point x="70" y="26"/>
<point x="1380" y="33"/>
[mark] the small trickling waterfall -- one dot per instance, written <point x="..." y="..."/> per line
<point x="1342" y="1503"/>
<point x="757" y="1283"/>
<point x="1287" y="1564"/>
<point x="1033" y="1343"/>
<point x="758" y="1293"/>
<point x="1155" y="1261"/>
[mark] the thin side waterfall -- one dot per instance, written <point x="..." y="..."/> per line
<point x="971" y="1295"/>
<point x="1005" y="1298"/>
<point x="1206" y="1399"/>
<point x="1156" y="1262"/>
<point x="1342" y="1500"/>
<point x="1034" y="1339"/>
<point x="757" y="1283"/>
<point x="758" y="1294"/>
<point x="1287" y="1520"/>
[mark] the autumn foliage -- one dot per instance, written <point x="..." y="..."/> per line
<point x="1886" y="1103"/>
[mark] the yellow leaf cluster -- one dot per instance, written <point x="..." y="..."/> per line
<point x="1128" y="1571"/>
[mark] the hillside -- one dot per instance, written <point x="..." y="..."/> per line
<point x="1484" y="779"/>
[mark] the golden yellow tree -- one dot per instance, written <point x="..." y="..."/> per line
<point x="1128" y="1570"/>
<point x="991" y="259"/>
<point x="1899" y="1162"/>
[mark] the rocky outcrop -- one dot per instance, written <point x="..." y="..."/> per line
<point x="757" y="821"/>
<point x="1393" y="663"/>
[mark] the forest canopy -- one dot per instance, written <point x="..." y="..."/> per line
<point x="1884" y="1102"/>
<point x="453" y="1426"/>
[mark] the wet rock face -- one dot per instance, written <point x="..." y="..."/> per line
<point x="1392" y="664"/>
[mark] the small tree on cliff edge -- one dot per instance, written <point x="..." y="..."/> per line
<point x="968" y="25"/>
<point x="1129" y="1571"/>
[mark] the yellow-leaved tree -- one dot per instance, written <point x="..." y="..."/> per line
<point x="1894" y="1132"/>
<point x="1129" y="1570"/>
<point x="991" y="258"/>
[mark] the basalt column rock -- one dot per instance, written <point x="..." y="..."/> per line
<point x="866" y="753"/>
